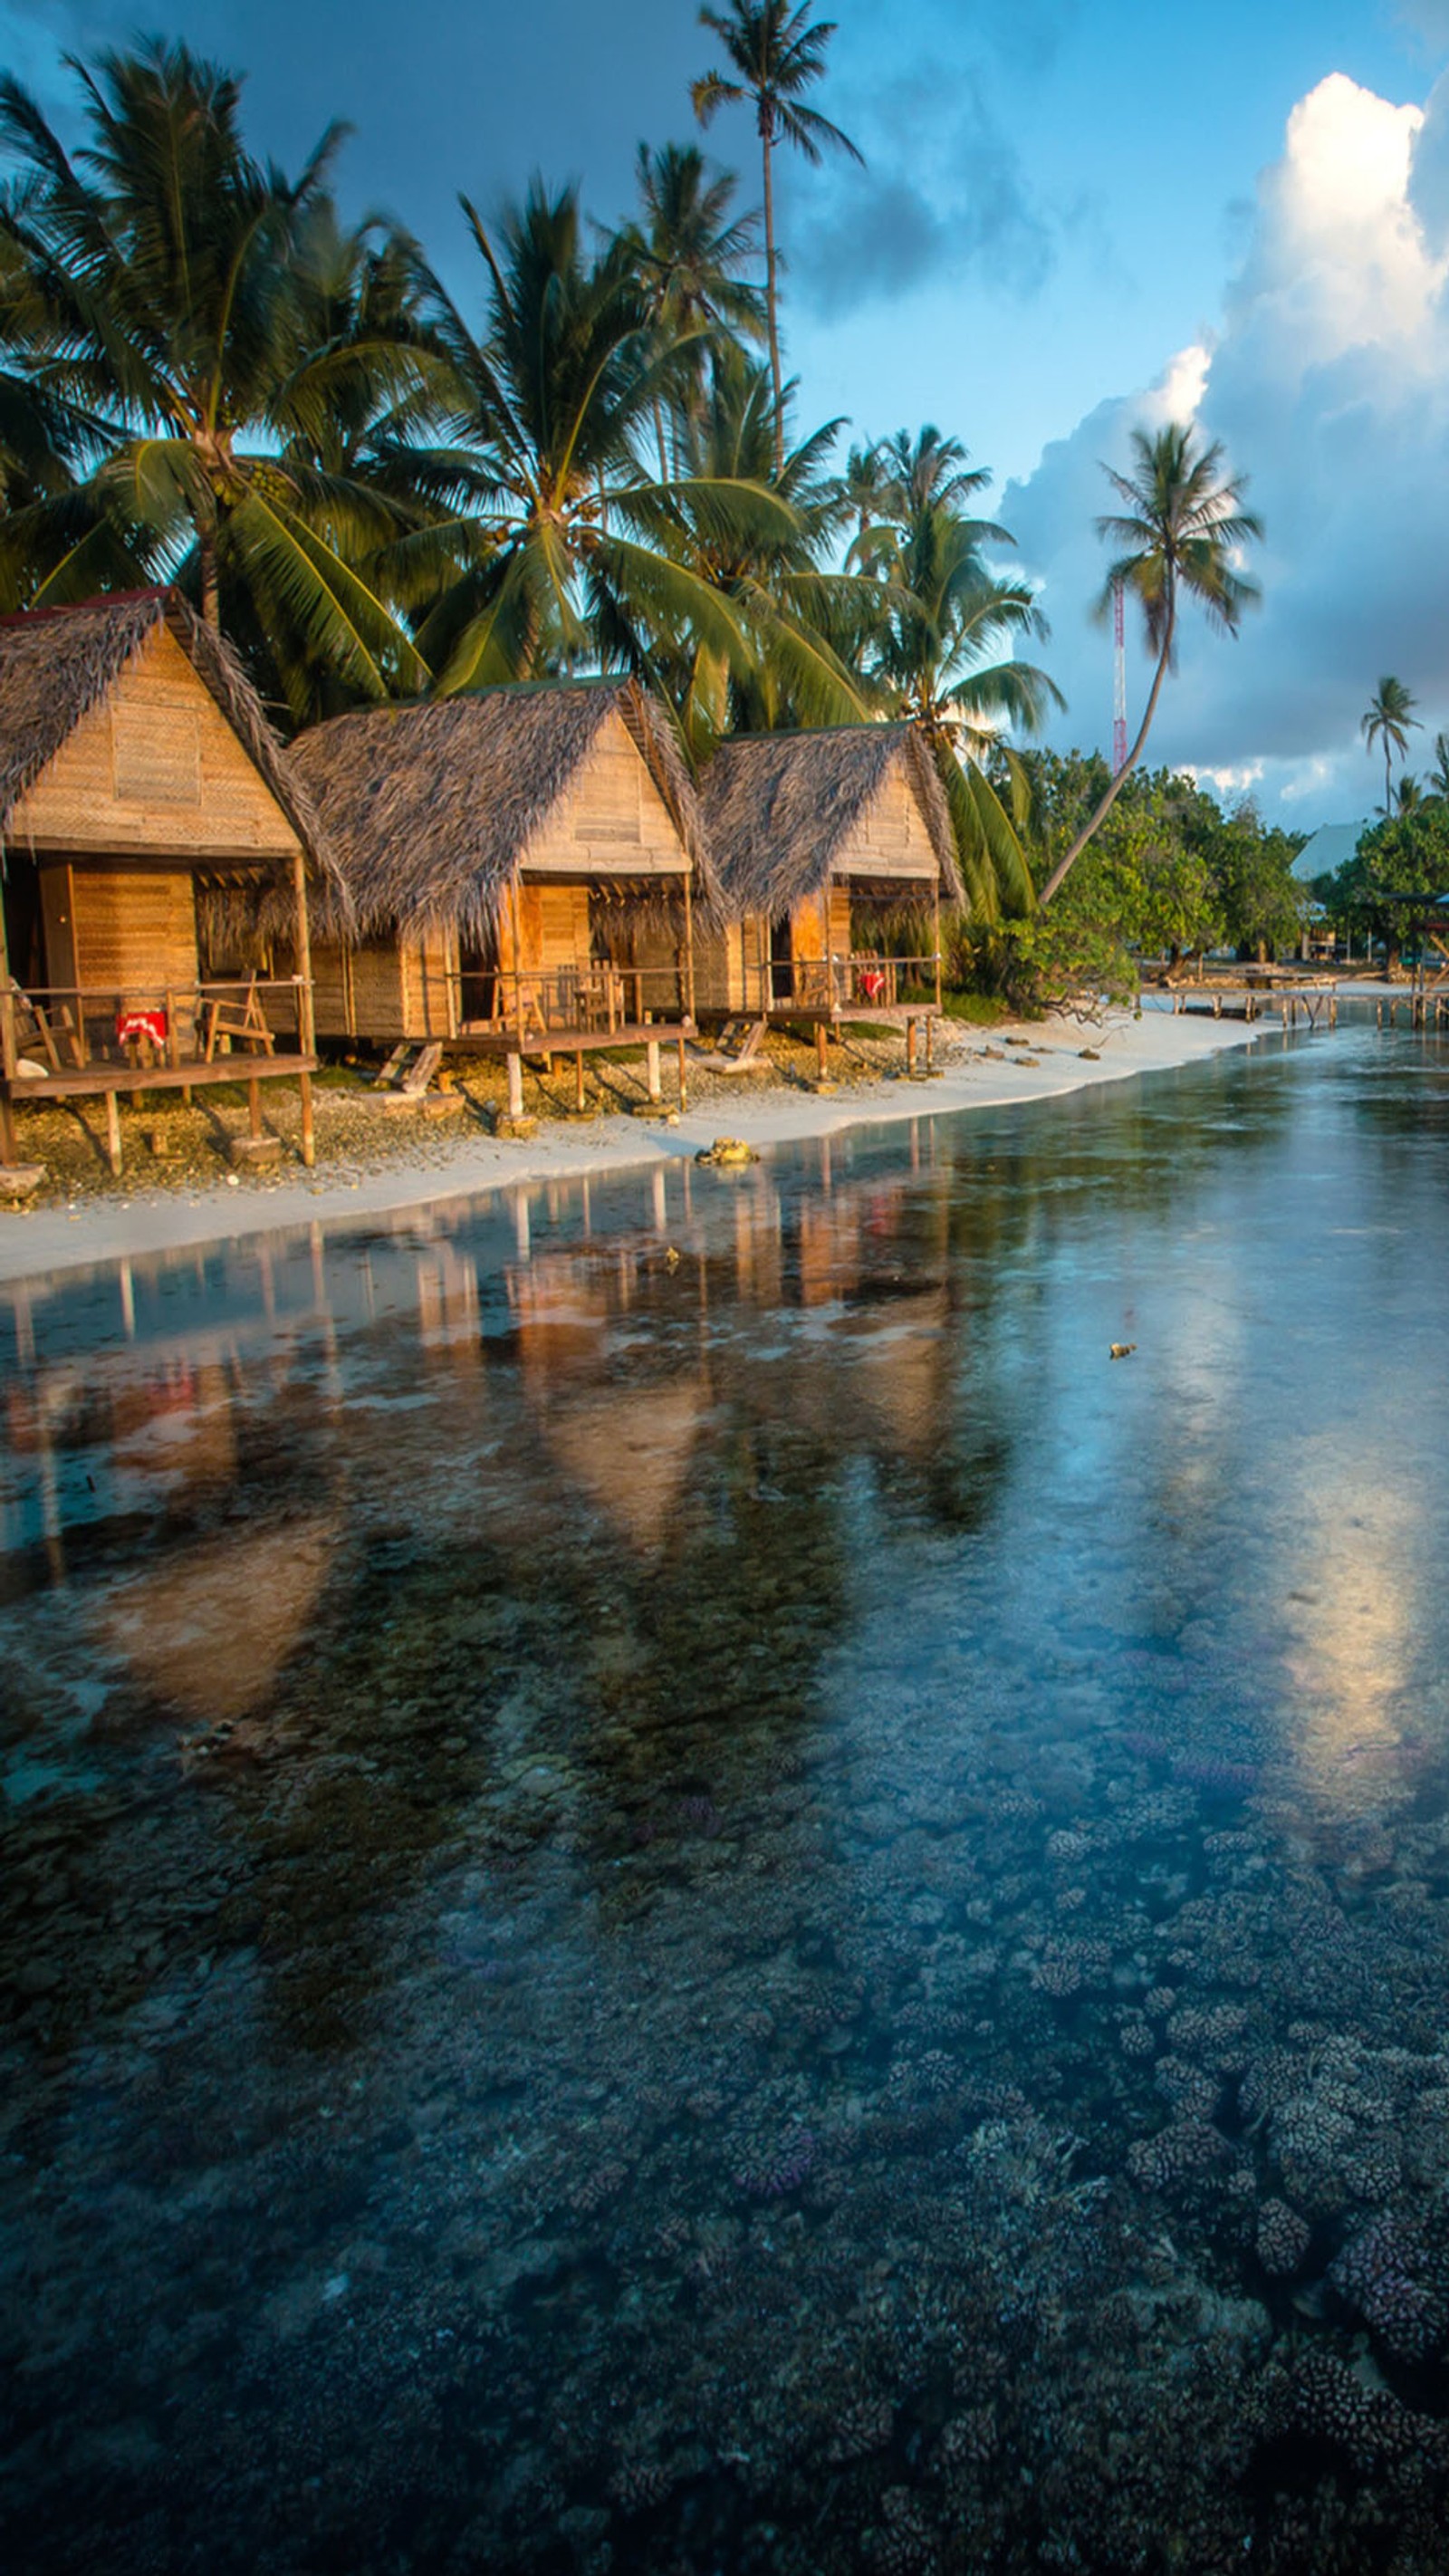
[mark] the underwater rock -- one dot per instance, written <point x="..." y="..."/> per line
<point x="1378" y="2275"/>
<point x="1283" y="2238"/>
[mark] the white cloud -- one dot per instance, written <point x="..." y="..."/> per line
<point x="1327" y="380"/>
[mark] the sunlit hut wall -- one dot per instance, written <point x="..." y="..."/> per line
<point x="513" y="839"/>
<point x="151" y="832"/>
<point x="817" y="838"/>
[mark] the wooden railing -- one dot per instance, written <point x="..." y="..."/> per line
<point x="865" y="981"/>
<point x="70" y="1029"/>
<point x="593" y="998"/>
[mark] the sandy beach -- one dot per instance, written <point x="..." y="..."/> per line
<point x="979" y="1070"/>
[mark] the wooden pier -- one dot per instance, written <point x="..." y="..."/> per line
<point x="1260" y="993"/>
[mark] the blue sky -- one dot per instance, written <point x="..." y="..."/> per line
<point x="1062" y="199"/>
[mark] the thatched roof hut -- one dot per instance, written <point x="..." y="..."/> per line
<point x="57" y="665"/>
<point x="784" y="812"/>
<point x="435" y="810"/>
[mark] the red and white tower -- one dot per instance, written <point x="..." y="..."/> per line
<point x="1119" y="682"/>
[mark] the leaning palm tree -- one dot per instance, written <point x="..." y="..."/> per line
<point x="164" y="262"/>
<point x="690" y="248"/>
<point x="1184" y="528"/>
<point x="773" y="55"/>
<point x="1388" y="719"/>
<point x="574" y="562"/>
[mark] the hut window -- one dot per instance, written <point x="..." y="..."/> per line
<point x="156" y="752"/>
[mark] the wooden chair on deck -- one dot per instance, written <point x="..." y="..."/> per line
<point x="238" y="1017"/>
<point x="43" y="1028"/>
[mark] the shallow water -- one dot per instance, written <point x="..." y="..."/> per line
<point x="685" y="1890"/>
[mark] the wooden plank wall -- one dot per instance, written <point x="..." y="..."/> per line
<point x="428" y="993"/>
<point x="554" y="921"/>
<point x="613" y="820"/>
<point x="331" y="999"/>
<point x="377" y="989"/>
<point x="890" y="839"/>
<point x="121" y="930"/>
<point x="155" y="771"/>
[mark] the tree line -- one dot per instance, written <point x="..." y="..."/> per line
<point x="587" y="461"/>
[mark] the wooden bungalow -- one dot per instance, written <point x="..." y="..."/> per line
<point x="151" y="839"/>
<point x="815" y="836"/>
<point x="523" y="868"/>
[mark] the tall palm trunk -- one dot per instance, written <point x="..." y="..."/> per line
<point x="1388" y="781"/>
<point x="210" y="584"/>
<point x="767" y="143"/>
<point x="1128" y="765"/>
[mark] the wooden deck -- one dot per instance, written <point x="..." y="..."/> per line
<point x="72" y="1044"/>
<point x="514" y="1048"/>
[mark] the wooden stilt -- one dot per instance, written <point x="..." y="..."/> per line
<point x="820" y="1057"/>
<point x="515" y="1085"/>
<point x="113" y="1134"/>
<point x="254" y="1107"/>
<point x="580" y="1101"/>
<point x="651" y="1062"/>
<point x="911" y="1049"/>
<point x="683" y="1087"/>
<point x="9" y="1153"/>
<point x="930" y="1031"/>
<point x="309" y="1149"/>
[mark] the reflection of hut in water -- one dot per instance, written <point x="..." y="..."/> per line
<point x="825" y="842"/>
<point x="523" y="866"/>
<point x="154" y="840"/>
<point x="627" y="1450"/>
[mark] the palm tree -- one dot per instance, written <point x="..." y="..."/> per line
<point x="945" y="659"/>
<point x="163" y="267"/>
<point x="574" y="556"/>
<point x="926" y="471"/>
<point x="1184" y="527"/>
<point x="689" y="250"/>
<point x="1439" y="774"/>
<point x="774" y="55"/>
<point x="800" y="623"/>
<point x="1388" y="718"/>
<point x="1408" y="795"/>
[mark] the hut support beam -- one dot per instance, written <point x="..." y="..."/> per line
<point x="515" y="1085"/>
<point x="651" y="1063"/>
<point x="688" y="952"/>
<point x="683" y="1087"/>
<point x="8" y="1050"/>
<point x="113" y="1134"/>
<point x="517" y="955"/>
<point x="820" y="1056"/>
<point x="306" y="1011"/>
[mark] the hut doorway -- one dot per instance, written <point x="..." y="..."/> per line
<point x="24" y="938"/>
<point x="478" y="995"/>
<point x="782" y="959"/>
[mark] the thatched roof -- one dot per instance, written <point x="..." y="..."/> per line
<point x="780" y="807"/>
<point x="56" y="664"/>
<point x="432" y="808"/>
